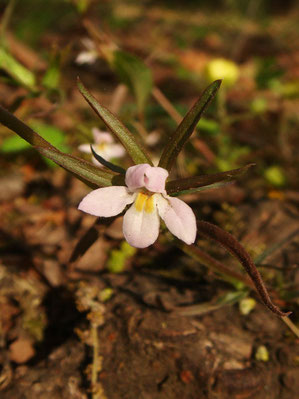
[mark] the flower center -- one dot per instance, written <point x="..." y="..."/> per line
<point x="144" y="201"/>
<point x="100" y="147"/>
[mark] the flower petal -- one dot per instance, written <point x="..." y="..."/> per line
<point x="107" y="201"/>
<point x="141" y="228"/>
<point x="178" y="217"/>
<point x="135" y="176"/>
<point x="151" y="177"/>
<point x="113" y="151"/>
<point x="155" y="178"/>
<point x="85" y="148"/>
<point x="101" y="137"/>
<point x="86" y="57"/>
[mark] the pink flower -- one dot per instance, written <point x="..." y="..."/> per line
<point x="104" y="146"/>
<point x="145" y="190"/>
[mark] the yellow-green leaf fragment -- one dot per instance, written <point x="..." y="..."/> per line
<point x="16" y="70"/>
<point x="135" y="74"/>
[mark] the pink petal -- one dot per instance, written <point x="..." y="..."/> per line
<point x="107" y="201"/>
<point x="155" y="178"/>
<point x="141" y="228"/>
<point x="135" y="176"/>
<point x="101" y="137"/>
<point x="151" y="177"/>
<point x="178" y="217"/>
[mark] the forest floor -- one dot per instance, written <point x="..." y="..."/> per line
<point x="159" y="326"/>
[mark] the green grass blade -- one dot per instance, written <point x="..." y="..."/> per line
<point x="23" y="130"/>
<point x="134" y="149"/>
<point x="16" y="70"/>
<point x="186" y="127"/>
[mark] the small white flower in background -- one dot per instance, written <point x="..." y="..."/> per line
<point x="152" y="138"/>
<point x="103" y="145"/>
<point x="90" y="55"/>
<point x="145" y="190"/>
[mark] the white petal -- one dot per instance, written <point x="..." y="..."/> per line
<point x="101" y="137"/>
<point x="141" y="228"/>
<point x="107" y="201"/>
<point x="113" y="151"/>
<point x="85" y="148"/>
<point x="178" y="217"/>
<point x="86" y="57"/>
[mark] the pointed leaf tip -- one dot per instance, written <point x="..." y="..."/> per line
<point x="83" y="170"/>
<point x="107" y="164"/>
<point x="179" y="186"/>
<point x="236" y="249"/>
<point x="186" y="127"/>
<point x="134" y="149"/>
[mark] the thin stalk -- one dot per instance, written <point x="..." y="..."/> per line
<point x="291" y="326"/>
<point x="95" y="364"/>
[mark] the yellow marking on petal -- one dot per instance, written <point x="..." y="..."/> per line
<point x="100" y="147"/>
<point x="149" y="205"/>
<point x="140" y="201"/>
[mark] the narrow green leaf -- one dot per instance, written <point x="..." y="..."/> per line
<point x="199" y="189"/>
<point x="82" y="169"/>
<point x="186" y="127"/>
<point x="135" y="150"/>
<point x="16" y="70"/>
<point x="23" y="130"/>
<point x="135" y="74"/>
<point x="229" y="298"/>
<point x="15" y="143"/>
<point x="175" y="187"/>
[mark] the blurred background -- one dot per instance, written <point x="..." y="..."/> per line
<point x="148" y="62"/>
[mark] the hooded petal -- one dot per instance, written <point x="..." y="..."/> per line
<point x="155" y="178"/>
<point x="178" y="217"/>
<point x="141" y="226"/>
<point x="151" y="177"/>
<point x="107" y="201"/>
<point x="101" y="137"/>
<point x="135" y="176"/>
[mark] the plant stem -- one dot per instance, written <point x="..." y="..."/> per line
<point x="95" y="365"/>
